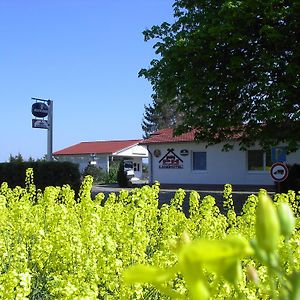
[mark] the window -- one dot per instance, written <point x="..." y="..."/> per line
<point x="128" y="164"/>
<point x="199" y="161"/>
<point x="136" y="167"/>
<point x="259" y="160"/>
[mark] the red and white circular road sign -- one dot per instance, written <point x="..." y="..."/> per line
<point x="279" y="172"/>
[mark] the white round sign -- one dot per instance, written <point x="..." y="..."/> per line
<point x="279" y="172"/>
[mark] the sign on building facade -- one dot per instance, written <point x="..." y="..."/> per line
<point x="170" y="161"/>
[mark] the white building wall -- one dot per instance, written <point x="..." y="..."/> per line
<point x="102" y="161"/>
<point x="222" y="167"/>
<point x="293" y="158"/>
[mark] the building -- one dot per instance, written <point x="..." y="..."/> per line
<point x="101" y="153"/>
<point x="180" y="160"/>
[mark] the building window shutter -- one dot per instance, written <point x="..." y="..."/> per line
<point x="199" y="161"/>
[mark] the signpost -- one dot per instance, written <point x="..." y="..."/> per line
<point x="279" y="172"/>
<point x="40" y="109"/>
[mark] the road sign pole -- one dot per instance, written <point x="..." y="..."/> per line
<point x="50" y="131"/>
<point x="278" y="187"/>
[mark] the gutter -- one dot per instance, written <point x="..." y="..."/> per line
<point x="151" y="166"/>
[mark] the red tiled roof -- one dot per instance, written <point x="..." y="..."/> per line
<point x="97" y="147"/>
<point x="166" y="136"/>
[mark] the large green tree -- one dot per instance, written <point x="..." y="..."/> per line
<point x="231" y="67"/>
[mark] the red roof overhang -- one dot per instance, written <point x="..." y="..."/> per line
<point x="98" y="147"/>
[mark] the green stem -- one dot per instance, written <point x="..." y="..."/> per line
<point x="272" y="283"/>
<point x="271" y="272"/>
<point x="290" y="256"/>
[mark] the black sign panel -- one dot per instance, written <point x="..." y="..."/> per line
<point x="38" y="123"/>
<point x="39" y="109"/>
<point x="184" y="152"/>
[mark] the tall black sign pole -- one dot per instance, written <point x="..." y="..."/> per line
<point x="50" y="131"/>
<point x="40" y="109"/>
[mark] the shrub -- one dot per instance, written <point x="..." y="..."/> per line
<point x="96" y="172"/>
<point x="293" y="180"/>
<point x="113" y="172"/>
<point x="100" y="176"/>
<point x="122" y="176"/>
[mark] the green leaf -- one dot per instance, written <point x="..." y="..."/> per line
<point x="208" y="251"/>
<point x="267" y="225"/>
<point x="219" y="256"/>
<point x="147" y="274"/>
<point x="233" y="272"/>
<point x="286" y="219"/>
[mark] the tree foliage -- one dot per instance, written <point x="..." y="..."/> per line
<point x="231" y="67"/>
<point x="16" y="158"/>
<point x="159" y="115"/>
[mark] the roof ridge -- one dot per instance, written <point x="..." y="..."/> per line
<point x="133" y="140"/>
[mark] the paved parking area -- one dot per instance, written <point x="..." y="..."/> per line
<point x="167" y="193"/>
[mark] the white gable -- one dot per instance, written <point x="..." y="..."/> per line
<point x="133" y="151"/>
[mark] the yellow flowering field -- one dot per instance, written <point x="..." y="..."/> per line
<point x="56" y="245"/>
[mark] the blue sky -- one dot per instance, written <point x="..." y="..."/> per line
<point x="85" y="56"/>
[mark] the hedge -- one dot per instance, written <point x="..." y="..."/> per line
<point x="45" y="174"/>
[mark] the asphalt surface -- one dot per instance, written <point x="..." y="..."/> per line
<point x="166" y="194"/>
